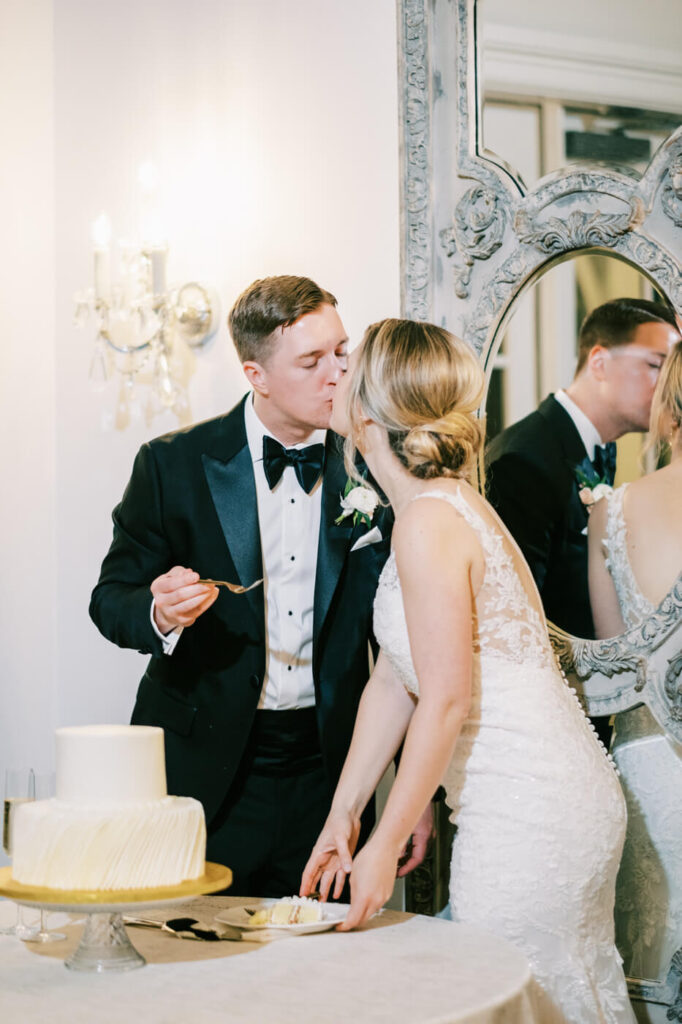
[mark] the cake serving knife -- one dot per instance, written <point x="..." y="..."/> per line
<point x="185" y="928"/>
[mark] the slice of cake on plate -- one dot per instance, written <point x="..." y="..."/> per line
<point x="292" y="910"/>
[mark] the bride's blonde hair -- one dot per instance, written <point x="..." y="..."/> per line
<point x="423" y="385"/>
<point x="667" y="397"/>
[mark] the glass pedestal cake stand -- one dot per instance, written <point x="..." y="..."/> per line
<point x="105" y="945"/>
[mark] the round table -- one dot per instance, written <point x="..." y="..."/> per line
<point x="400" y="968"/>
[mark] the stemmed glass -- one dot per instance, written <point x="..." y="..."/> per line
<point x="44" y="789"/>
<point x="19" y="787"/>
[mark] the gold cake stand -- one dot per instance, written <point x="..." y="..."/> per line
<point x="105" y="945"/>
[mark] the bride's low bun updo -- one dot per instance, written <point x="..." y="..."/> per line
<point x="423" y="385"/>
<point x="448" y="447"/>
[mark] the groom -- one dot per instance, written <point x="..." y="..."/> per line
<point x="536" y="468"/>
<point x="258" y="692"/>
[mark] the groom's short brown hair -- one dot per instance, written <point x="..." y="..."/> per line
<point x="614" y="323"/>
<point x="267" y="304"/>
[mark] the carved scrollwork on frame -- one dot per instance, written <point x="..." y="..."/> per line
<point x="493" y="218"/>
<point x="495" y="297"/>
<point x="642" y="664"/>
<point x="581" y="229"/>
<point x="415" y="144"/>
<point x="476" y="233"/>
<point x="672" y="684"/>
<point x="666" y="169"/>
<point x="671" y="196"/>
<point x="655" y="261"/>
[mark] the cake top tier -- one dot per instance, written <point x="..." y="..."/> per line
<point x="110" y="763"/>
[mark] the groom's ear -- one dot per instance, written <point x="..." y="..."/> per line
<point x="597" y="361"/>
<point x="257" y="377"/>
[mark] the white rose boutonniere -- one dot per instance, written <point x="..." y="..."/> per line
<point x="591" y="495"/>
<point x="358" y="501"/>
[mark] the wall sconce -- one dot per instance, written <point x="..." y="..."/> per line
<point x="138" y="322"/>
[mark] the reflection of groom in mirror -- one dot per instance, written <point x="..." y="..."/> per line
<point x="257" y="693"/>
<point x="534" y="466"/>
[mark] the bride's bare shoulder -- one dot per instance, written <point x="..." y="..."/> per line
<point x="432" y="529"/>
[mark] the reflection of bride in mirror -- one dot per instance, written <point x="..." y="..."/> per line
<point x="635" y="534"/>
<point x="635" y="556"/>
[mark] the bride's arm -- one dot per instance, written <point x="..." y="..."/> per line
<point x="437" y="554"/>
<point x="383" y="715"/>
<point x="606" y="613"/>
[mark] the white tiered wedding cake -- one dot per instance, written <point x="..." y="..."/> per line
<point x="112" y="824"/>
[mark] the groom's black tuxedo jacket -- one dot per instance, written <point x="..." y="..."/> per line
<point x="531" y="481"/>
<point x="191" y="501"/>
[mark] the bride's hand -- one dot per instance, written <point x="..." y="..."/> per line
<point x="371" y="883"/>
<point x="332" y="856"/>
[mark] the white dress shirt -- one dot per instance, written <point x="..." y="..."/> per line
<point x="589" y="435"/>
<point x="289" y="521"/>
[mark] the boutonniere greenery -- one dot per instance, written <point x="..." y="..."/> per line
<point x="591" y="487"/>
<point x="358" y="501"/>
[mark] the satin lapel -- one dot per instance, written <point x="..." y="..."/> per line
<point x="564" y="429"/>
<point x="233" y="490"/>
<point x="334" y="539"/>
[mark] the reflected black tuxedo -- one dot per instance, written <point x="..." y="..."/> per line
<point x="531" y="481"/>
<point x="191" y="501"/>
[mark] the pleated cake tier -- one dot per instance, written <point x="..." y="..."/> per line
<point x="111" y="825"/>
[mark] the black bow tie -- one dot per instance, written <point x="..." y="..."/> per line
<point x="604" y="462"/>
<point x="308" y="462"/>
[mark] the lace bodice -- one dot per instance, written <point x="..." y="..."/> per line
<point x="507" y="620"/>
<point x="633" y="604"/>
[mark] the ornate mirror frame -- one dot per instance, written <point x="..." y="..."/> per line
<point x="473" y="238"/>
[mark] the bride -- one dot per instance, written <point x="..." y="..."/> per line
<point x="466" y="681"/>
<point x="635" y="556"/>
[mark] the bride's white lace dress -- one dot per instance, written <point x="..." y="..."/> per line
<point x="649" y="885"/>
<point x="539" y="811"/>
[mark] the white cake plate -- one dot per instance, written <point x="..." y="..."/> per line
<point x="105" y="945"/>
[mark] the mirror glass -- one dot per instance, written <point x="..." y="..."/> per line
<point x="540" y="120"/>
<point x="536" y="355"/>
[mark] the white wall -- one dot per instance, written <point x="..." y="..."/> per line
<point x="28" y="465"/>
<point x="273" y="128"/>
<point x="655" y="23"/>
<point x="622" y="52"/>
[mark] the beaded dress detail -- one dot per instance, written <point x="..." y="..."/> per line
<point x="633" y="604"/>
<point x="539" y="811"/>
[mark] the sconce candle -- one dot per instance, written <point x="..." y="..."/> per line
<point x="101" y="236"/>
<point x="157" y="258"/>
<point x="102" y="274"/>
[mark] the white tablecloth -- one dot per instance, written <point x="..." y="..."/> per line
<point x="400" y="968"/>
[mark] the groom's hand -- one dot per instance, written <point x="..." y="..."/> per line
<point x="179" y="600"/>
<point x="415" y="851"/>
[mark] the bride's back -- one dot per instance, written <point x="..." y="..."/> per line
<point x="509" y="611"/>
<point x="652" y="509"/>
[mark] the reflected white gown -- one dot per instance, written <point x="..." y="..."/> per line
<point x="539" y="811"/>
<point x="649" y="885"/>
